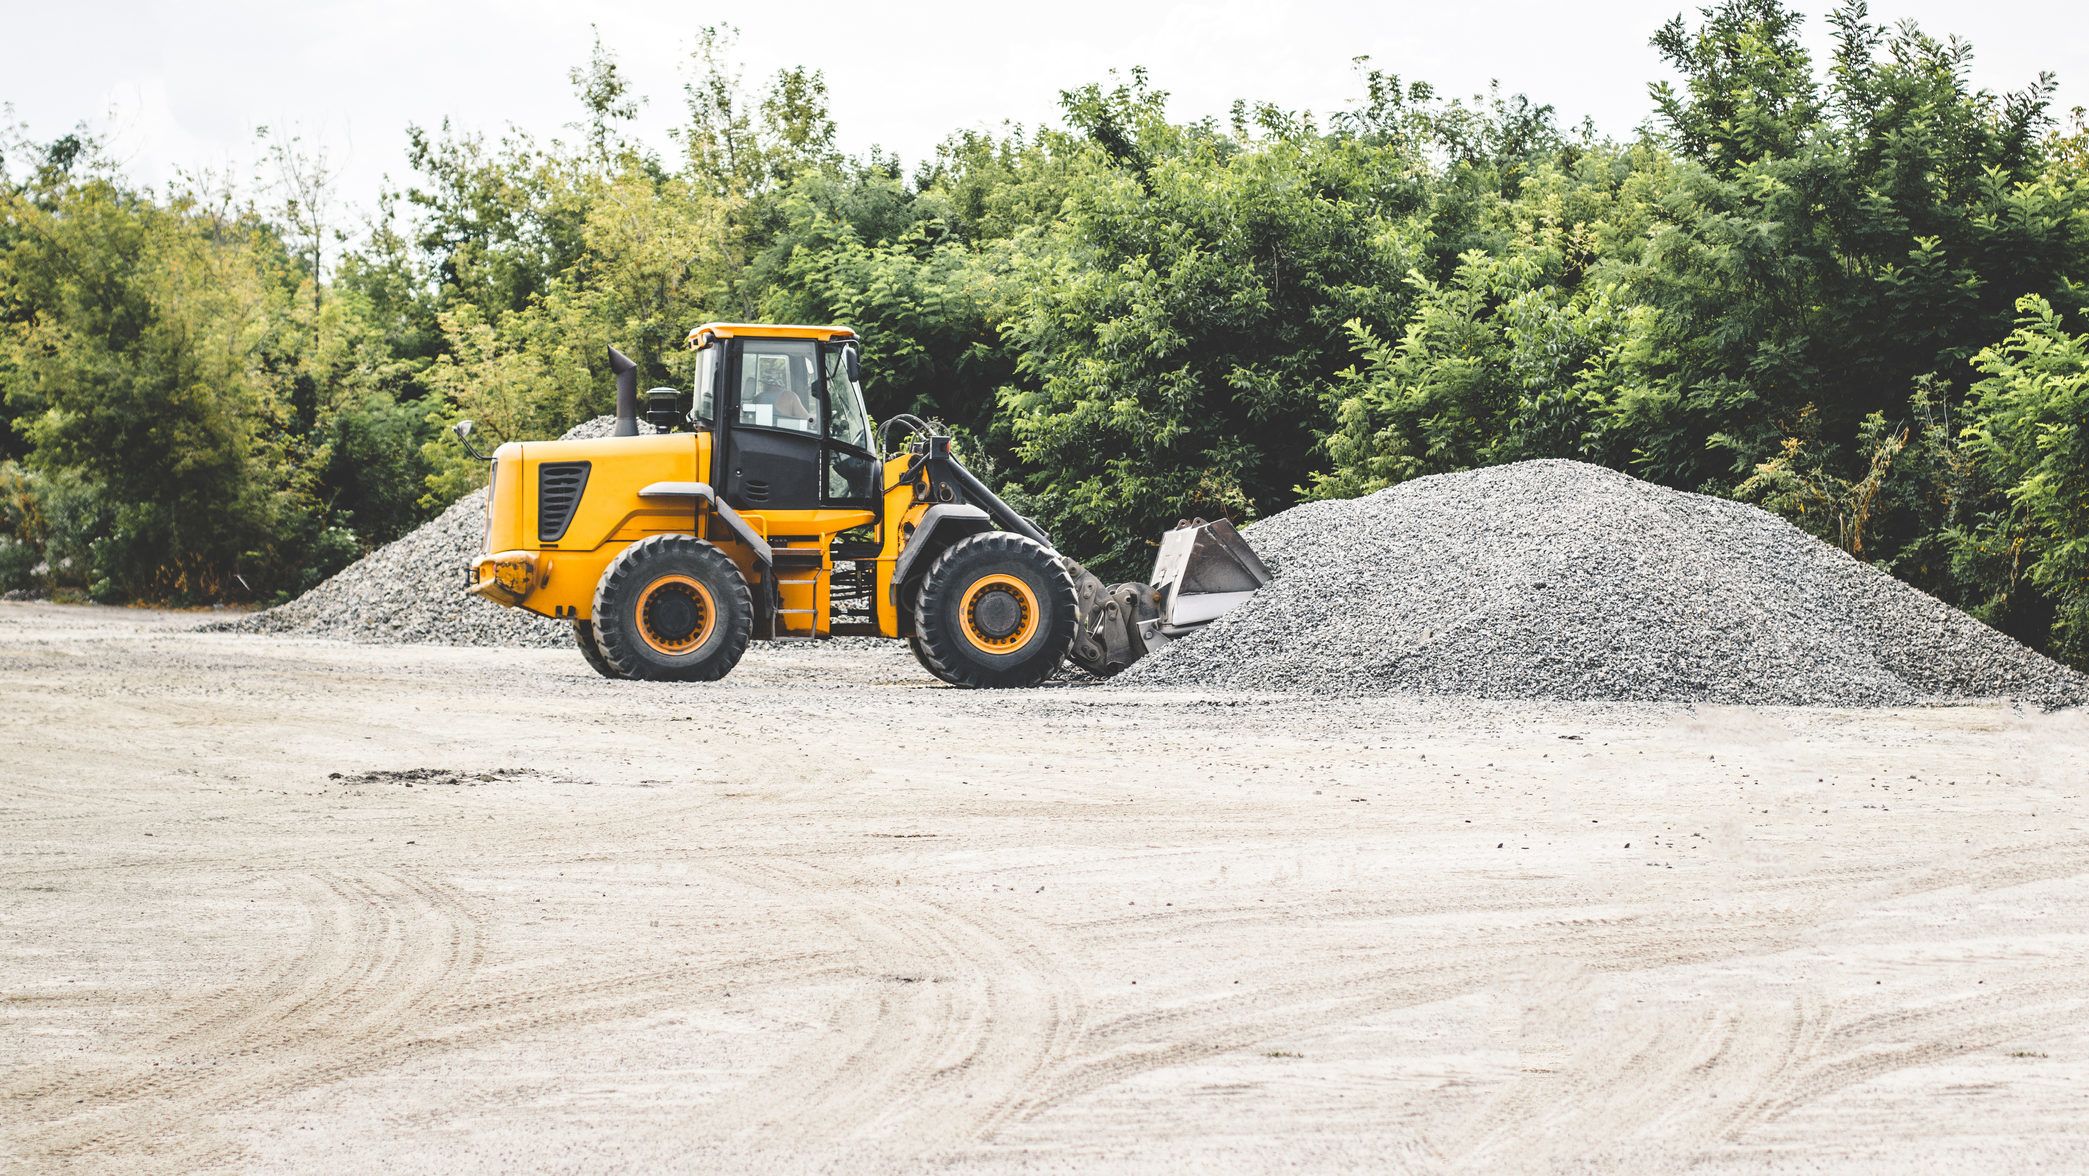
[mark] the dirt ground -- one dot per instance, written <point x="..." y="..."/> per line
<point x="275" y="905"/>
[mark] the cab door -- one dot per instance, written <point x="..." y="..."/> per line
<point x="773" y="425"/>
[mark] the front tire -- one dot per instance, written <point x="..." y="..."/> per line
<point x="928" y="663"/>
<point x="591" y="650"/>
<point x="995" y="610"/>
<point x="673" y="608"/>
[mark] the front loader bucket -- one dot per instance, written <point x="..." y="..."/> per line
<point x="1202" y="572"/>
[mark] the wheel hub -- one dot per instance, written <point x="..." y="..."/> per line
<point x="998" y="614"/>
<point x="674" y="615"/>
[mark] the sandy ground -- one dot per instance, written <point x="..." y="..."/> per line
<point x="274" y="905"/>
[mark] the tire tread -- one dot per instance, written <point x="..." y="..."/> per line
<point x="942" y="653"/>
<point x="629" y="568"/>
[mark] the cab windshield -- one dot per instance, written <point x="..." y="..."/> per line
<point x="852" y="464"/>
<point x="702" y="403"/>
<point x="847" y="422"/>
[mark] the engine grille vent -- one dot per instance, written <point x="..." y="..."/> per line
<point x="755" y="490"/>
<point x="559" y="485"/>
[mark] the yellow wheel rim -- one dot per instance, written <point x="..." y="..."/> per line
<point x="999" y="613"/>
<point x="676" y="615"/>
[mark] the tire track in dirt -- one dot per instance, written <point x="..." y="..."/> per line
<point x="496" y="1010"/>
<point x="26" y="803"/>
<point x="1475" y="961"/>
<point x="956" y="1017"/>
<point x="1856" y="1048"/>
<point x="235" y="1015"/>
<point x="1141" y="1042"/>
<point x="1634" y="1092"/>
<point x="560" y="1007"/>
<point x="1660" y="1094"/>
<point x="1683" y="1113"/>
<point x="380" y="950"/>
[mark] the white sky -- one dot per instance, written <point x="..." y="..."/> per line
<point x="184" y="85"/>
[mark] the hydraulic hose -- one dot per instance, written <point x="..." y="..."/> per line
<point x="885" y="430"/>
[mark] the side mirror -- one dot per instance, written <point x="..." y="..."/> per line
<point x="854" y="359"/>
<point x="463" y="430"/>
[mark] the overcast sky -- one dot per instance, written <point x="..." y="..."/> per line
<point x="186" y="84"/>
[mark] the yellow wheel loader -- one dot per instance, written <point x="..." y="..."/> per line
<point x="758" y="505"/>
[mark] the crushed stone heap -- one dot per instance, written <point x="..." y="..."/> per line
<point x="1561" y="580"/>
<point x="411" y="590"/>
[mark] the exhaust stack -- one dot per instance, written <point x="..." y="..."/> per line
<point x="627" y="394"/>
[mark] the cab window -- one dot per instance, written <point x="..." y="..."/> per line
<point x="776" y="385"/>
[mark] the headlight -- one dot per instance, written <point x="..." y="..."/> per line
<point x="514" y="574"/>
<point x="505" y="578"/>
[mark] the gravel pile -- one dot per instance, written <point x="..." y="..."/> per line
<point x="411" y="590"/>
<point x="1559" y="580"/>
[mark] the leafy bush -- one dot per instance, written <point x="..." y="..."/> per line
<point x="2029" y="433"/>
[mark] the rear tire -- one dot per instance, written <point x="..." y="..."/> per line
<point x="995" y="610"/>
<point x="673" y="608"/>
<point x="590" y="649"/>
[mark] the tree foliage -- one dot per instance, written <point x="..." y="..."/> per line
<point x="2029" y="441"/>
<point x="165" y="356"/>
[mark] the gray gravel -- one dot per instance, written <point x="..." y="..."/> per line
<point x="1559" y="580"/>
<point x="411" y="591"/>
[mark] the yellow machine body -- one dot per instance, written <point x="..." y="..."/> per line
<point x="756" y="505"/>
<point x="557" y="578"/>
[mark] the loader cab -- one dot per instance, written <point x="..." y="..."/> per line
<point x="784" y="406"/>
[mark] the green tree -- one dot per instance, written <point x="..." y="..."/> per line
<point x="1747" y="92"/>
<point x="140" y="369"/>
<point x="1178" y="323"/>
<point x="2028" y="433"/>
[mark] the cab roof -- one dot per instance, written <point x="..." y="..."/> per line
<point x="709" y="331"/>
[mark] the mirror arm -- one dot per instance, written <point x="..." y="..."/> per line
<point x="463" y="431"/>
